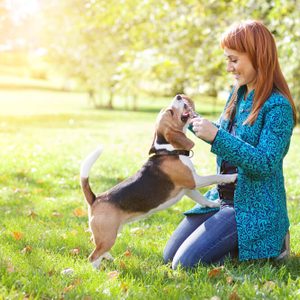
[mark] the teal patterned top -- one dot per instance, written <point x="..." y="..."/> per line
<point x="258" y="151"/>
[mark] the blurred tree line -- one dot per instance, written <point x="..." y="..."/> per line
<point x="160" y="47"/>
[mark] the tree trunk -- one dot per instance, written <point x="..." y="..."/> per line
<point x="110" y="99"/>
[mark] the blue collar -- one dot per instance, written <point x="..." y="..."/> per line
<point x="241" y="92"/>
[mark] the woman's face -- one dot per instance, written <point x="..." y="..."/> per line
<point x="239" y="64"/>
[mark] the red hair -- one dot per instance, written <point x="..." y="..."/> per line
<point x="253" y="38"/>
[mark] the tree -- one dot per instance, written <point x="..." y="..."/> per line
<point x="162" y="47"/>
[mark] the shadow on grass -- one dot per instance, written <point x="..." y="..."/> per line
<point x="292" y="265"/>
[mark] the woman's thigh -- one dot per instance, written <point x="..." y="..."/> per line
<point x="187" y="226"/>
<point x="210" y="242"/>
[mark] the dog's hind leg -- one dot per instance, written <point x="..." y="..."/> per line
<point x="96" y="262"/>
<point x="101" y="251"/>
<point x="105" y="230"/>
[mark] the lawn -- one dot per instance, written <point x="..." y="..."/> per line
<point x="44" y="243"/>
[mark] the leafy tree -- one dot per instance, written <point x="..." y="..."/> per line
<point x="162" y="47"/>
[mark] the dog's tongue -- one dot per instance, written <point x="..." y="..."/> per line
<point x="185" y="116"/>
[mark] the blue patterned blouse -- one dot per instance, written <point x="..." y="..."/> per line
<point x="258" y="151"/>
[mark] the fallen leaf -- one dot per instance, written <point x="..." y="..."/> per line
<point x="113" y="274"/>
<point x="215" y="272"/>
<point x="229" y="279"/>
<point x="75" y="251"/>
<point x="32" y="214"/>
<point x="234" y="296"/>
<point x="69" y="288"/>
<point x="27" y="249"/>
<point x="79" y="212"/>
<point x="127" y="253"/>
<point x="124" y="287"/>
<point x="77" y="281"/>
<point x="269" y="285"/>
<point x="17" y="235"/>
<point x="122" y="264"/>
<point x="10" y="268"/>
<point x="57" y="214"/>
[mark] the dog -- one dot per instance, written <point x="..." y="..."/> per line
<point x="162" y="181"/>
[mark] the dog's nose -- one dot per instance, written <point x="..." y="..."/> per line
<point x="178" y="97"/>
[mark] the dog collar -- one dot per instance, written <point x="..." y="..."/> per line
<point x="173" y="152"/>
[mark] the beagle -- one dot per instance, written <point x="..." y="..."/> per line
<point x="162" y="181"/>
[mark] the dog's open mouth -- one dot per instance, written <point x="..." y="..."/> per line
<point x="185" y="116"/>
<point x="186" y="113"/>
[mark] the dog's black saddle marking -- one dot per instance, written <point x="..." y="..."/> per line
<point x="146" y="190"/>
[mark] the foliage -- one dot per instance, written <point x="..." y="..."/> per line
<point x="44" y="243"/>
<point x="127" y="47"/>
<point x="163" y="47"/>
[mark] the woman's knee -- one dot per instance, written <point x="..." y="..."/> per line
<point x="182" y="232"/>
<point x="188" y="261"/>
<point x="172" y="247"/>
<point x="168" y="255"/>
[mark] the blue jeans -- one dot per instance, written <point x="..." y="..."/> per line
<point x="206" y="238"/>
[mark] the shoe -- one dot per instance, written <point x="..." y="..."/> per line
<point x="286" y="249"/>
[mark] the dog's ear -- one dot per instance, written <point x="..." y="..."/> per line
<point x="152" y="149"/>
<point x="179" y="140"/>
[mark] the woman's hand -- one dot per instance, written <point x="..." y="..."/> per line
<point x="204" y="129"/>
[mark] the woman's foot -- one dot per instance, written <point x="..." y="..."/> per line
<point x="286" y="249"/>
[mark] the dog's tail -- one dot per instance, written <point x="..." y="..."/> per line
<point x="84" y="175"/>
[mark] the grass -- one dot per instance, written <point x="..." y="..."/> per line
<point x="43" y="138"/>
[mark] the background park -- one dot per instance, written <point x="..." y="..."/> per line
<point x="76" y="73"/>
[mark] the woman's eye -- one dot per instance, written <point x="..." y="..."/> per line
<point x="234" y="61"/>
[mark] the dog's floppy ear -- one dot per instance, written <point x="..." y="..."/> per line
<point x="152" y="149"/>
<point x="179" y="140"/>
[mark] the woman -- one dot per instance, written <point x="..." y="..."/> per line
<point x="251" y="138"/>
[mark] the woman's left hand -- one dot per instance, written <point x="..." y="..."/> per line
<point x="204" y="129"/>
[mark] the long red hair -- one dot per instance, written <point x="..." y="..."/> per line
<point x="253" y="38"/>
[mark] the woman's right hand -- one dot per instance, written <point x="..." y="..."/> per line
<point x="204" y="129"/>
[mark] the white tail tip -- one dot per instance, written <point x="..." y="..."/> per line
<point x="89" y="161"/>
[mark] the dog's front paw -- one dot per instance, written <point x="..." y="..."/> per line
<point x="229" y="178"/>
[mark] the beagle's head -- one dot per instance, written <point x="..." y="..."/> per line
<point x="171" y="125"/>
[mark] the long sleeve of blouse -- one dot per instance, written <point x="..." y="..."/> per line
<point x="263" y="158"/>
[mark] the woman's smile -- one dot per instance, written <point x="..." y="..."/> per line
<point x="239" y="64"/>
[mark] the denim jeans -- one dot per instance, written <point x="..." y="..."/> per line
<point x="206" y="238"/>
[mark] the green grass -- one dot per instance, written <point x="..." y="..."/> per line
<point x="43" y="138"/>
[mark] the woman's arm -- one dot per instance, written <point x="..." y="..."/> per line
<point x="272" y="146"/>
